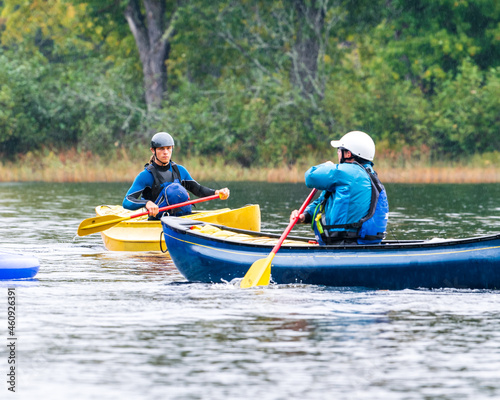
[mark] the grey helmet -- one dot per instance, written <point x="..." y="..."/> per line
<point x="161" y="139"/>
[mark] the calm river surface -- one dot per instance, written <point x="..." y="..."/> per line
<point x="101" y="325"/>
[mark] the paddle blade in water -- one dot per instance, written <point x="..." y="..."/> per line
<point x="98" y="224"/>
<point x="259" y="273"/>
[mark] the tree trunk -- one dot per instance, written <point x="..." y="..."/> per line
<point x="153" y="44"/>
<point x="310" y="21"/>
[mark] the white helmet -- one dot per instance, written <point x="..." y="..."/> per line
<point x="358" y="143"/>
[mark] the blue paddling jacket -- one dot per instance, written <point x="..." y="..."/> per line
<point x="353" y="205"/>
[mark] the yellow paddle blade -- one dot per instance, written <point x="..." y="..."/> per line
<point x="259" y="273"/>
<point x="98" y="224"/>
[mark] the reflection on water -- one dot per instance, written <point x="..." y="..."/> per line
<point x="98" y="324"/>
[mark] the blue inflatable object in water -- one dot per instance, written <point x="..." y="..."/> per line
<point x="17" y="266"/>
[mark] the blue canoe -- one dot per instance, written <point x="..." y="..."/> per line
<point x="212" y="253"/>
<point x="17" y="266"/>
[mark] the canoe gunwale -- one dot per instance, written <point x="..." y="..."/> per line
<point x="183" y="226"/>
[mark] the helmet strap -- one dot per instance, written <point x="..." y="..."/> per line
<point x="342" y="157"/>
<point x="158" y="161"/>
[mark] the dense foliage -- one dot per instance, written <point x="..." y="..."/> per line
<point x="254" y="82"/>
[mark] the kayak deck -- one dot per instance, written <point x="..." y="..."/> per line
<point x="139" y="234"/>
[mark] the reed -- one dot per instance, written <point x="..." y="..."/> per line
<point x="121" y="166"/>
<point x="455" y="174"/>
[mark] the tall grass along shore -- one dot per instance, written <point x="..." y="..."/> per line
<point x="121" y="167"/>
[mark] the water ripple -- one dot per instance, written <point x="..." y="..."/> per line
<point x="98" y="324"/>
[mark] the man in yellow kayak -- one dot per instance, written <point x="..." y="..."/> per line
<point x="353" y="207"/>
<point x="163" y="182"/>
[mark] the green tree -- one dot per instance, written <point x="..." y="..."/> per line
<point x="251" y="81"/>
<point x="152" y="24"/>
<point x="63" y="81"/>
<point x="425" y="40"/>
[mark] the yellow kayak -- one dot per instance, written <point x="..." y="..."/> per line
<point x="139" y="234"/>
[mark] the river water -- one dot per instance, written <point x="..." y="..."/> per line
<point x="101" y="325"/>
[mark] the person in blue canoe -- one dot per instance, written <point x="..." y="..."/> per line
<point x="163" y="182"/>
<point x="353" y="207"/>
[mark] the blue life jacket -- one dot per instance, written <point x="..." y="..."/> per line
<point x="168" y="190"/>
<point x="373" y="229"/>
<point x="370" y="229"/>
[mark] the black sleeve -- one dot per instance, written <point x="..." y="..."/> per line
<point x="197" y="189"/>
